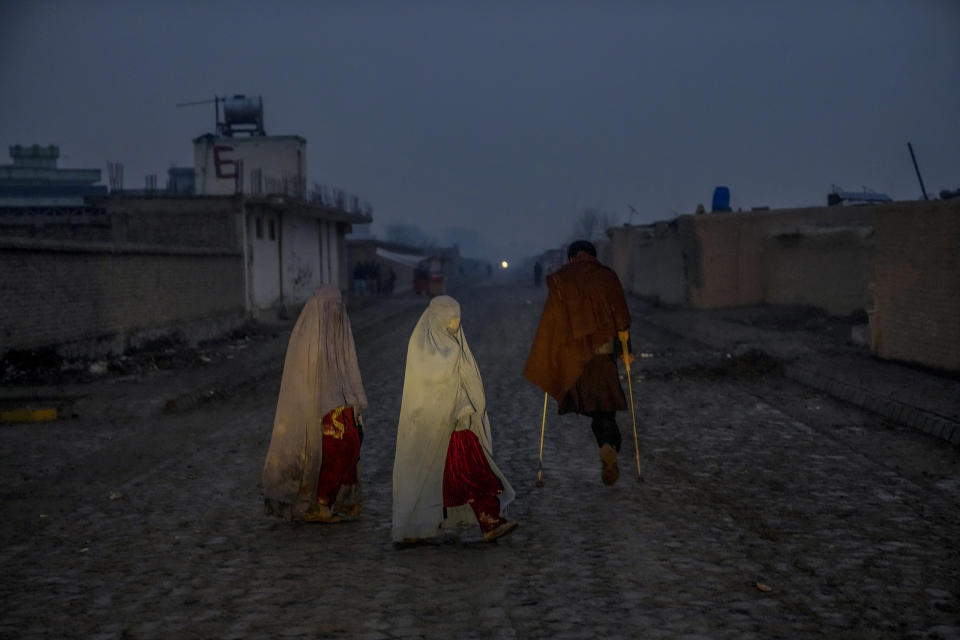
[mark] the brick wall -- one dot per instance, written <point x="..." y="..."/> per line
<point x="65" y="223"/>
<point x="86" y="298"/>
<point x="916" y="284"/>
<point x="186" y="221"/>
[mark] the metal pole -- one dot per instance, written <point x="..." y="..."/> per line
<point x="917" y="169"/>
<point x="624" y="345"/>
<point x="543" y="424"/>
<point x="633" y="418"/>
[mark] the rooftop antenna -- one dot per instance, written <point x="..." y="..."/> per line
<point x="632" y="211"/>
<point x="917" y="169"/>
<point x="216" y="100"/>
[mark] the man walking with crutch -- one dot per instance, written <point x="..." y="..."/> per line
<point x="585" y="323"/>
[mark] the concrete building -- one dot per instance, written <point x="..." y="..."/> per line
<point x="35" y="180"/>
<point x="181" y="180"/>
<point x="235" y="237"/>
<point x="148" y="266"/>
<point x="292" y="246"/>
<point x="288" y="246"/>
<point x="254" y="165"/>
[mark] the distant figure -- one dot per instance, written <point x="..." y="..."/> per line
<point x="310" y="473"/>
<point x="700" y="209"/>
<point x="443" y="470"/>
<point x="391" y="281"/>
<point x="573" y="354"/>
<point x="537" y="273"/>
<point x="421" y="281"/>
<point x="360" y="279"/>
<point x="373" y="277"/>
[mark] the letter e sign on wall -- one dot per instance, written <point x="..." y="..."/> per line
<point x="225" y="167"/>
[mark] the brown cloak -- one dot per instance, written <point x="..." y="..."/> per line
<point x="585" y="308"/>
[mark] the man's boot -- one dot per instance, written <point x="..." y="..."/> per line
<point x="609" y="472"/>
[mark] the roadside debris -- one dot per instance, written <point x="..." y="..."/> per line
<point x="46" y="367"/>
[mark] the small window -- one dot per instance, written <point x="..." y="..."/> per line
<point x="273" y="233"/>
<point x="259" y="225"/>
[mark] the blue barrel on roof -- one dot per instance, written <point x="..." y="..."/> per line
<point x="721" y="199"/>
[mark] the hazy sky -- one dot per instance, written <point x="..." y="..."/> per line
<point x="507" y="118"/>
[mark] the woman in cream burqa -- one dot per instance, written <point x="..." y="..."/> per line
<point x="443" y="472"/>
<point x="311" y="469"/>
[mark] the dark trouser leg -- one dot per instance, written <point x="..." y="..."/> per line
<point x="605" y="428"/>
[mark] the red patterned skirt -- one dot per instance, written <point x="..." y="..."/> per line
<point x="468" y="479"/>
<point x="341" y="453"/>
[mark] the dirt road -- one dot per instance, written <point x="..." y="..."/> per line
<point x="768" y="511"/>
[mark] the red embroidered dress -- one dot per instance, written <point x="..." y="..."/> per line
<point x="341" y="453"/>
<point x="468" y="479"/>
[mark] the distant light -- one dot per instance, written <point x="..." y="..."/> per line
<point x="504" y="264"/>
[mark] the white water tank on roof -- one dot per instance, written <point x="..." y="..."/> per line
<point x="243" y="113"/>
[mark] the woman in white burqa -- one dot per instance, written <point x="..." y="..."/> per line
<point x="311" y="469"/>
<point x="443" y="472"/>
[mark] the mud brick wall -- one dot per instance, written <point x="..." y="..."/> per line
<point x="650" y="262"/>
<point x="617" y="252"/>
<point x="916" y="285"/>
<point x="819" y="257"/>
<point x="723" y="260"/>
<point x="84" y="297"/>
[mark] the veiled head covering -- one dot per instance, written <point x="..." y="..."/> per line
<point x="442" y="391"/>
<point x="320" y="373"/>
